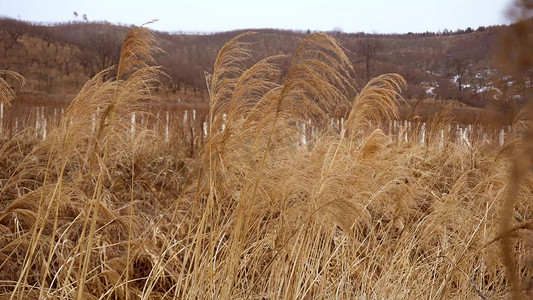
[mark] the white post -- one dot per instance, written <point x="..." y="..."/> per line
<point x="441" y="142"/>
<point x="132" y="129"/>
<point x="303" y="138"/>
<point x="423" y="135"/>
<point x="223" y="122"/>
<point x="398" y="131"/>
<point x="309" y="134"/>
<point x="465" y="138"/>
<point x="502" y="137"/>
<point x="44" y="127"/>
<point x="93" y="125"/>
<point x="37" y="123"/>
<point x="458" y="134"/>
<point x="43" y="118"/>
<point x="194" y="115"/>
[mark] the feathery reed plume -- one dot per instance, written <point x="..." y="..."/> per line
<point x="515" y="57"/>
<point x="7" y="92"/>
<point x="229" y="66"/>
<point x="318" y="79"/>
<point x="137" y="50"/>
<point x="128" y="95"/>
<point x="70" y="149"/>
<point x="135" y="55"/>
<point x="248" y="101"/>
<point x="522" y="162"/>
<point x="235" y="92"/>
<point x="78" y="123"/>
<point x="257" y="116"/>
<point x="376" y="100"/>
<point x="521" y="122"/>
<point x="437" y="130"/>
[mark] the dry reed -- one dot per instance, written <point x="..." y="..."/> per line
<point x="94" y="211"/>
<point x="7" y="92"/>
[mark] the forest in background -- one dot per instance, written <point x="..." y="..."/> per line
<point x="56" y="59"/>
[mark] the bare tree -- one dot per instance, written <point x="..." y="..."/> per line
<point x="459" y="67"/>
<point x="98" y="51"/>
<point x="11" y="31"/>
<point x="369" y="47"/>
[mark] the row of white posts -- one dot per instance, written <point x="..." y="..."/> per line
<point x="463" y="134"/>
<point x="401" y="130"/>
<point x="167" y="122"/>
<point x="40" y="124"/>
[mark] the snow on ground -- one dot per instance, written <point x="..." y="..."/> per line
<point x="430" y="91"/>
<point x="432" y="73"/>
<point x="484" y="89"/>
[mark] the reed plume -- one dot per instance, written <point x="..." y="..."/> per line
<point x="376" y="101"/>
<point x="92" y="129"/>
<point x="94" y="211"/>
<point x="7" y="92"/>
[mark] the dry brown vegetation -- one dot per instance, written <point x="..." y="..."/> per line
<point x="56" y="59"/>
<point x="104" y="214"/>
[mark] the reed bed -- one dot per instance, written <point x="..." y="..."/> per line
<point x="240" y="208"/>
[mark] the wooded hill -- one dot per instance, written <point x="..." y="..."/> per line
<point x="58" y="58"/>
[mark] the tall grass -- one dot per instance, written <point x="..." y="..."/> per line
<point x="99" y="213"/>
<point x="7" y="91"/>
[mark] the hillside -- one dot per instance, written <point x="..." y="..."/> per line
<point x="58" y="58"/>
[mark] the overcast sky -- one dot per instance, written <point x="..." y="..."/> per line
<point x="374" y="16"/>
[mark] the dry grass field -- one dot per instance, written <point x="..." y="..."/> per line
<point x="94" y="211"/>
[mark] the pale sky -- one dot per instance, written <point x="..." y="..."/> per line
<point x="374" y="16"/>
